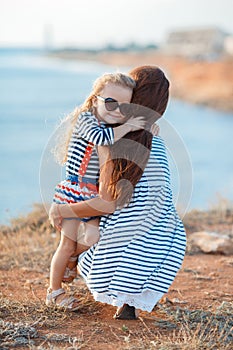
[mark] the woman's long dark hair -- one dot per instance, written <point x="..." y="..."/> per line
<point x="131" y="153"/>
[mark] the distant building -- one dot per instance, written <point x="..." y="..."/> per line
<point x="228" y="45"/>
<point x="202" y="43"/>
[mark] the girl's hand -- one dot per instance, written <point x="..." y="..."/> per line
<point x="136" y="123"/>
<point x="154" y="129"/>
<point x="55" y="217"/>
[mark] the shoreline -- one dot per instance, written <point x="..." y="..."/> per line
<point x="198" y="82"/>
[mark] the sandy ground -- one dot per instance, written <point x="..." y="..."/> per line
<point x="203" y="283"/>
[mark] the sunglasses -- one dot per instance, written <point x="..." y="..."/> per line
<point x="111" y="104"/>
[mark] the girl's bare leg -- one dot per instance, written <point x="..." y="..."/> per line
<point x="87" y="235"/>
<point x="92" y="234"/>
<point x="67" y="247"/>
<point x="81" y="248"/>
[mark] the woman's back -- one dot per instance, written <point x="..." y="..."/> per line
<point x="157" y="170"/>
<point x="142" y="245"/>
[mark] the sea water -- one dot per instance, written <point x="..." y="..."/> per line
<point x="36" y="91"/>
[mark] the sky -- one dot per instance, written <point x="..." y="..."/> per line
<point x="86" y="23"/>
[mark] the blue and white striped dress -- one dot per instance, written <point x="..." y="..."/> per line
<point x="141" y="246"/>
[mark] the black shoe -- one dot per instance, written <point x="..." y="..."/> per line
<point x="126" y="313"/>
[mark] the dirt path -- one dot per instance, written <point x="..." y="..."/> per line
<point x="204" y="282"/>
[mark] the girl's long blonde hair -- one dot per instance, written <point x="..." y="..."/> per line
<point x="65" y="128"/>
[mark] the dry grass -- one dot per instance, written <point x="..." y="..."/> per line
<point x="28" y="245"/>
<point x="41" y="325"/>
<point x="188" y="330"/>
<point x="29" y="242"/>
<point x="179" y="329"/>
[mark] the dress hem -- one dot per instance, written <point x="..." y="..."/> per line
<point x="144" y="301"/>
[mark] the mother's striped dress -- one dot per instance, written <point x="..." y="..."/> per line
<point x="142" y="246"/>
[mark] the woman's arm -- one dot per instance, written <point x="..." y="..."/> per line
<point x="101" y="205"/>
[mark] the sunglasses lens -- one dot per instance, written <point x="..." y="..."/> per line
<point x="111" y="104"/>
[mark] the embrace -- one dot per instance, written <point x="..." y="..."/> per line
<point x="115" y="208"/>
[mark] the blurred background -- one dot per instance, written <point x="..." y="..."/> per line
<point x="50" y="53"/>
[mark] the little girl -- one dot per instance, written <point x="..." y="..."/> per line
<point x="103" y="106"/>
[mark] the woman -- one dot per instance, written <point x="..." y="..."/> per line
<point x="142" y="244"/>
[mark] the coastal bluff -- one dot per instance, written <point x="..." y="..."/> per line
<point x="202" y="82"/>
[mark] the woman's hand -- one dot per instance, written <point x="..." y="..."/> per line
<point x="55" y="217"/>
<point x="154" y="129"/>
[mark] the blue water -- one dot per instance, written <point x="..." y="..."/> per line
<point x="35" y="91"/>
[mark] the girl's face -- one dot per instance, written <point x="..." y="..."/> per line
<point x="120" y="94"/>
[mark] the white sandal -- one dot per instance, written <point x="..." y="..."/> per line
<point x="66" y="303"/>
<point x="70" y="274"/>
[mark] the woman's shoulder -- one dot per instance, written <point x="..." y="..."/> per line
<point x="158" y="141"/>
<point x="158" y="148"/>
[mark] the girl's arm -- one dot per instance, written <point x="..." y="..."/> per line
<point x="88" y="127"/>
<point x="132" y="124"/>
